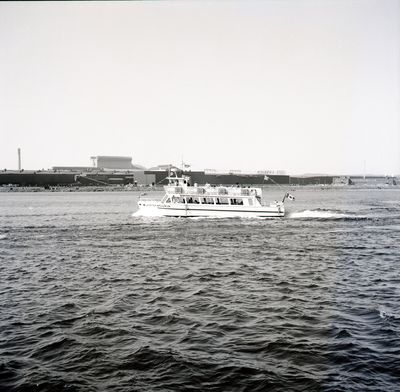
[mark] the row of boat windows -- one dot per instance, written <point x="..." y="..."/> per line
<point x="207" y="200"/>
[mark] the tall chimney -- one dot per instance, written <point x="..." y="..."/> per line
<point x="19" y="159"/>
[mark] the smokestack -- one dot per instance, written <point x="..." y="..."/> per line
<point x="19" y="159"/>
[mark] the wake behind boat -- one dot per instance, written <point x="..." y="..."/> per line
<point x="183" y="200"/>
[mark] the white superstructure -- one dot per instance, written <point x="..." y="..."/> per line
<point x="184" y="200"/>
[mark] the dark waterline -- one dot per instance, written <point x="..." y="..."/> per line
<point x="92" y="299"/>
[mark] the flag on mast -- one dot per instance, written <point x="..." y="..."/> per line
<point x="289" y="196"/>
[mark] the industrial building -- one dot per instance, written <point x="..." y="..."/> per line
<point x="108" y="170"/>
<point x="114" y="163"/>
<point x="104" y="162"/>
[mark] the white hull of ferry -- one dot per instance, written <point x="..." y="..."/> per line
<point x="221" y="211"/>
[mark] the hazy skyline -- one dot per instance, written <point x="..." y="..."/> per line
<point x="300" y="86"/>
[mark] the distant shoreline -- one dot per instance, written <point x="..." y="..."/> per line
<point x="57" y="189"/>
<point x="63" y="189"/>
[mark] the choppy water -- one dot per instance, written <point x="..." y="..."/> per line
<point x="93" y="299"/>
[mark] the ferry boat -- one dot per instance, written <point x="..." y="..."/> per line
<point x="181" y="199"/>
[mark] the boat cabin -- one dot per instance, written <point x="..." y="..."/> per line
<point x="179" y="190"/>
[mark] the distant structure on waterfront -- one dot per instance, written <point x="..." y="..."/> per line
<point x="19" y="159"/>
<point x="119" y="170"/>
<point x="164" y="168"/>
<point x="108" y="170"/>
<point x="114" y="162"/>
<point x="104" y="162"/>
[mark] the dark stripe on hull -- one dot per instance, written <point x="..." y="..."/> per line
<point x="218" y="210"/>
<point x="189" y="213"/>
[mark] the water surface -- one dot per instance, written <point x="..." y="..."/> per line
<point x="93" y="299"/>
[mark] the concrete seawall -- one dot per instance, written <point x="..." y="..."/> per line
<point x="51" y="178"/>
<point x="37" y="179"/>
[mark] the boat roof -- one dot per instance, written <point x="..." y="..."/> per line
<point x="181" y="186"/>
<point x="211" y="191"/>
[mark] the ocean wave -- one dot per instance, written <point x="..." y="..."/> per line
<point x="387" y="315"/>
<point x="306" y="214"/>
<point x="324" y="214"/>
<point x="147" y="212"/>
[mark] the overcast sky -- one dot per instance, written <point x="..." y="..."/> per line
<point x="300" y="86"/>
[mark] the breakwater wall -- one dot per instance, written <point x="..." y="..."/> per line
<point x="48" y="179"/>
<point x="43" y="179"/>
<point x="201" y="177"/>
<point x="51" y="178"/>
<point x="312" y="180"/>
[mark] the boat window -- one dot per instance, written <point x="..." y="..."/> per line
<point x="168" y="200"/>
<point x="223" y="200"/>
<point x="207" y="200"/>
<point x="250" y="202"/>
<point x="196" y="200"/>
<point x="222" y="191"/>
<point x="189" y="200"/>
<point x="177" y="199"/>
